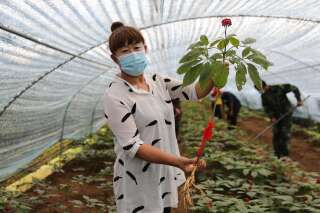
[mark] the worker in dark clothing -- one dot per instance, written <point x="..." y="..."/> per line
<point x="276" y="103"/>
<point x="232" y="105"/>
<point x="227" y="106"/>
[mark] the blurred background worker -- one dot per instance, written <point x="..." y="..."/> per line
<point x="215" y="97"/>
<point x="227" y="106"/>
<point x="277" y="105"/>
<point x="232" y="107"/>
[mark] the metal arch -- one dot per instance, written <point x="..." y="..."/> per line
<point x="306" y="65"/>
<point x="95" y="46"/>
<point x="71" y="99"/>
<point x="221" y="16"/>
<point x="30" y="85"/>
<point x="50" y="71"/>
<point x="94" y="112"/>
<point x="4" y="28"/>
<point x="277" y="52"/>
<point x="295" y="59"/>
<point x="299" y="68"/>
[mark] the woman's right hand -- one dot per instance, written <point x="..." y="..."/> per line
<point x="188" y="164"/>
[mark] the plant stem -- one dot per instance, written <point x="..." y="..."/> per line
<point x="225" y="46"/>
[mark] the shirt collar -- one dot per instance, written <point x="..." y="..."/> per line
<point x="134" y="88"/>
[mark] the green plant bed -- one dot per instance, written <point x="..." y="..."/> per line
<point x="243" y="176"/>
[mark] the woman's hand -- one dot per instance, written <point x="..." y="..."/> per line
<point x="188" y="164"/>
<point x="202" y="164"/>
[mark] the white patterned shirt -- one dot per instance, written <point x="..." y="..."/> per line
<point x="135" y="117"/>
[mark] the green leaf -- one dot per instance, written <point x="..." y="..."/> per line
<point x="220" y="74"/>
<point x="191" y="55"/>
<point x="214" y="43"/>
<point x="196" y="44"/>
<point x="254" y="174"/>
<point x="231" y="35"/>
<point x="216" y="56"/>
<point x="192" y="74"/>
<point x="246" y="171"/>
<point x="234" y="41"/>
<point x="223" y="43"/>
<point x="261" y="61"/>
<point x="254" y="75"/>
<point x="241" y="75"/>
<point x="283" y="198"/>
<point x="258" y="53"/>
<point x="246" y="51"/>
<point x="205" y="76"/>
<point x="187" y="66"/>
<point x="264" y="172"/>
<point x="204" y="40"/>
<point x="231" y="53"/>
<point x="249" y="41"/>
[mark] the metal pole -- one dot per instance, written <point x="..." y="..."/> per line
<point x="277" y="121"/>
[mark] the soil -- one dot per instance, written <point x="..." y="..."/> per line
<point x="60" y="189"/>
<point x="301" y="149"/>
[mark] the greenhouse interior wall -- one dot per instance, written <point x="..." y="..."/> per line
<point x="55" y="62"/>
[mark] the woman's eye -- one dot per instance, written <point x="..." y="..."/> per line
<point x="137" y="48"/>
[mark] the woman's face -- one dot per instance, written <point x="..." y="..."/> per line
<point x="137" y="47"/>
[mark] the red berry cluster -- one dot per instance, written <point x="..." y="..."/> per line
<point x="226" y="22"/>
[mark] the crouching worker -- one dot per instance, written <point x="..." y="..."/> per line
<point x="138" y="108"/>
<point x="276" y="104"/>
<point x="232" y="105"/>
<point x="227" y="106"/>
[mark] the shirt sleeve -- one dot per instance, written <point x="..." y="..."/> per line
<point x="176" y="90"/>
<point x="290" y="88"/>
<point x="120" y="120"/>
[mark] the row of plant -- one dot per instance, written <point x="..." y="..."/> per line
<point x="243" y="176"/>
<point x="91" y="168"/>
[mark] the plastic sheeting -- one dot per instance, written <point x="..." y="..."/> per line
<point x="54" y="62"/>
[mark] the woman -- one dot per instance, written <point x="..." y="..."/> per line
<point x="138" y="109"/>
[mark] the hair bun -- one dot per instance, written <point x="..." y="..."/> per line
<point x="116" y="25"/>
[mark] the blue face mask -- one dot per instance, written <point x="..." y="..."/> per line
<point x="134" y="63"/>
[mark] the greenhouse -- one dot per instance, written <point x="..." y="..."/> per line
<point x="155" y="106"/>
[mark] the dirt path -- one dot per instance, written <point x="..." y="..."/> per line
<point x="301" y="151"/>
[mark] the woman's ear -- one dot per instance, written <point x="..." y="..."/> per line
<point x="115" y="59"/>
<point x="145" y="48"/>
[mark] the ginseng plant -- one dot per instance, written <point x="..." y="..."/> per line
<point x="211" y="60"/>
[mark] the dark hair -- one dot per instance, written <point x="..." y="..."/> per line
<point x="263" y="83"/>
<point x="123" y="35"/>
